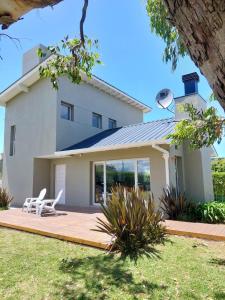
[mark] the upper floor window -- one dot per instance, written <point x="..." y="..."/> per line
<point x="67" y="111"/>
<point x="96" y="120"/>
<point x="12" y="140"/>
<point x="112" y="123"/>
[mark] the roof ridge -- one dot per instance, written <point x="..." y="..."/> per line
<point x="153" y="121"/>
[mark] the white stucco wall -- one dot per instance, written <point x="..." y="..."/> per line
<point x="34" y="115"/>
<point x="87" y="99"/>
<point x="79" y="186"/>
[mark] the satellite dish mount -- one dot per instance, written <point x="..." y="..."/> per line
<point x="164" y="99"/>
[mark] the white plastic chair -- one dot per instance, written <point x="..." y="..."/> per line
<point x="48" y="205"/>
<point x="30" y="201"/>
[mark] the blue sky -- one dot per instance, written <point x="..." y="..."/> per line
<point x="131" y="54"/>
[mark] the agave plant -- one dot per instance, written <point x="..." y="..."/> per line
<point x="133" y="223"/>
<point x="5" y="199"/>
<point x="174" y="203"/>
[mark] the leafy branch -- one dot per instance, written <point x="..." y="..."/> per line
<point x="202" y="129"/>
<point x="79" y="57"/>
<point x="161" y="25"/>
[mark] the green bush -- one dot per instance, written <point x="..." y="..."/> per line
<point x="211" y="212"/>
<point x="219" y="185"/>
<point x="5" y="199"/>
<point x="175" y="204"/>
<point x="133" y="223"/>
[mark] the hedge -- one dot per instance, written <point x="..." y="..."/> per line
<point x="219" y="185"/>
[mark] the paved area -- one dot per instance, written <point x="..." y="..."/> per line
<point x="76" y="226"/>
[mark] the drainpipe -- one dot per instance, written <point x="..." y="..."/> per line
<point x="165" y="155"/>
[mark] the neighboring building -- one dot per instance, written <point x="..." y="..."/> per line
<point x="86" y="138"/>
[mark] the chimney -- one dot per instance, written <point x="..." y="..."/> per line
<point x="31" y="59"/>
<point x="191" y="96"/>
<point x="190" y="83"/>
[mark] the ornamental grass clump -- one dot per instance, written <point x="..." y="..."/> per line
<point x="5" y="199"/>
<point x="133" y="223"/>
<point x="175" y="204"/>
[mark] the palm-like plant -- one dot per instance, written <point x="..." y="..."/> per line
<point x="174" y="203"/>
<point x="133" y="223"/>
<point x="5" y="199"/>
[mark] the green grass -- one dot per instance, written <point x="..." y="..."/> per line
<point x="35" y="267"/>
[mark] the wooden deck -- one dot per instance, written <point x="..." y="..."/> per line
<point x="76" y="226"/>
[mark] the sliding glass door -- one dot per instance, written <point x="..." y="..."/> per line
<point x="99" y="182"/>
<point x="129" y="173"/>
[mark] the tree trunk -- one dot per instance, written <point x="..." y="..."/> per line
<point x="12" y="10"/>
<point x="201" y="24"/>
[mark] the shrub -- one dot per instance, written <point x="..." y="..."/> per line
<point x="211" y="212"/>
<point x="219" y="185"/>
<point x="133" y="223"/>
<point x="5" y="199"/>
<point x="175" y="204"/>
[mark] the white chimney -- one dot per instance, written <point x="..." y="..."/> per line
<point x="31" y="59"/>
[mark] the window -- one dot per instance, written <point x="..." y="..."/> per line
<point x="67" y="111"/>
<point x="12" y="140"/>
<point x="96" y="120"/>
<point x="112" y="123"/>
<point x="179" y="174"/>
<point x="129" y="173"/>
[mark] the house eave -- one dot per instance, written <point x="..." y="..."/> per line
<point x="80" y="152"/>
<point x="26" y="81"/>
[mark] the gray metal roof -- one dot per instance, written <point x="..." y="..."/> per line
<point x="132" y="134"/>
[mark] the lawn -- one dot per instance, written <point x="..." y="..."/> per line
<point x="35" y="267"/>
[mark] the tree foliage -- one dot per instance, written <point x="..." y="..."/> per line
<point x="202" y="128"/>
<point x="218" y="165"/>
<point x="79" y="60"/>
<point x="160" y="25"/>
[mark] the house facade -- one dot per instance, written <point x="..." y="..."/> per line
<point x="87" y="138"/>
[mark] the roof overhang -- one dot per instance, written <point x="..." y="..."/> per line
<point x="26" y="81"/>
<point x="80" y="152"/>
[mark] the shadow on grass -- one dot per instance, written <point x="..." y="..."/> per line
<point x="218" y="261"/>
<point x="97" y="277"/>
<point x="219" y="296"/>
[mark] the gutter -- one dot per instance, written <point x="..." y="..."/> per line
<point x="166" y="156"/>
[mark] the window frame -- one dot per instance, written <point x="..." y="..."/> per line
<point x="113" y="121"/>
<point x="12" y="141"/>
<point x="70" y="108"/>
<point x="100" y="120"/>
<point x="104" y="162"/>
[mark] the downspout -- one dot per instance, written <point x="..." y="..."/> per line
<point x="165" y="155"/>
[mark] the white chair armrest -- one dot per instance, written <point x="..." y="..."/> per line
<point x="30" y="199"/>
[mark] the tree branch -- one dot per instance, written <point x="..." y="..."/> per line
<point x="14" y="40"/>
<point x="82" y="20"/>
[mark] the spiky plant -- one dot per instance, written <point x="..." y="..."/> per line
<point x="175" y="204"/>
<point x="5" y="199"/>
<point x="133" y="223"/>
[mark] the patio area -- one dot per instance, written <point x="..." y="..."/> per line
<point x="76" y="226"/>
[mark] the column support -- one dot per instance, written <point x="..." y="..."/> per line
<point x="166" y="156"/>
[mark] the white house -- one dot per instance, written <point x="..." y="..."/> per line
<point x="86" y="138"/>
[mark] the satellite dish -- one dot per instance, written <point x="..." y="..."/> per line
<point x="164" y="98"/>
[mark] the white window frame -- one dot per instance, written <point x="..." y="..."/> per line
<point x="100" y="120"/>
<point x="71" y="110"/>
<point x="103" y="162"/>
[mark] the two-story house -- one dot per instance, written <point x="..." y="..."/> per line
<point x="87" y="138"/>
